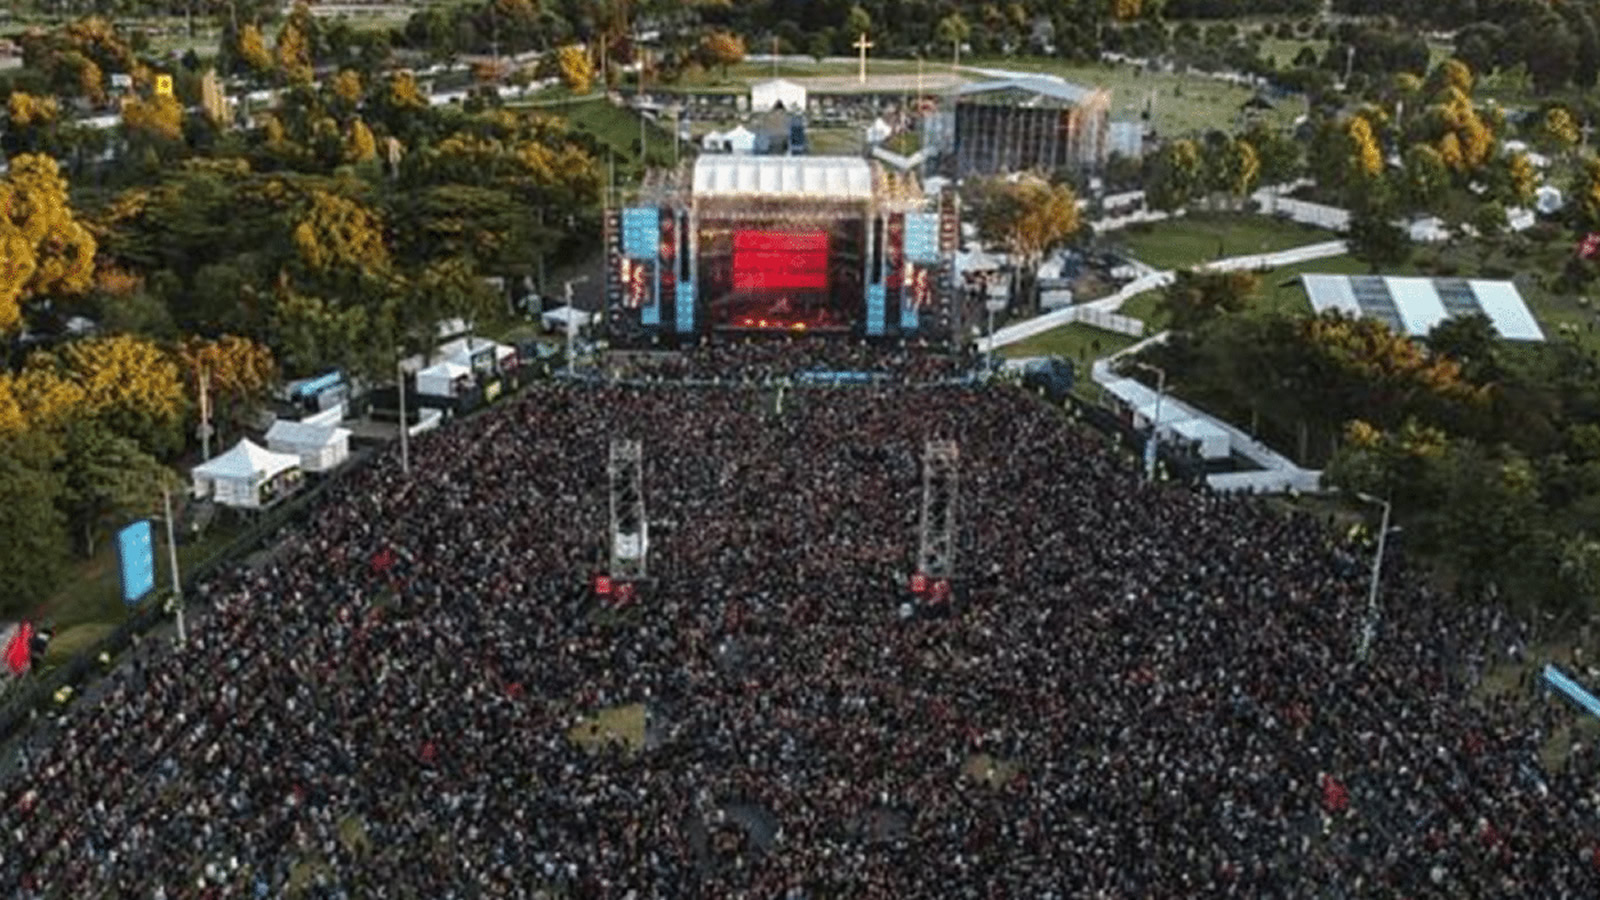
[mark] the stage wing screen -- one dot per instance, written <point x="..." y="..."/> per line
<point x="780" y="260"/>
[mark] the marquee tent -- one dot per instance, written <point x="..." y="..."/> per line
<point x="778" y="92"/>
<point x="249" y="476"/>
<point x="320" y="447"/>
<point x="440" y="379"/>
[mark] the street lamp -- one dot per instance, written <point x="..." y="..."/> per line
<point x="172" y="562"/>
<point x="571" y="311"/>
<point x="1155" y="420"/>
<point x="992" y="305"/>
<point x="1369" y="628"/>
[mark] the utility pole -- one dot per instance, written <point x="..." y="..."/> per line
<point x="1155" y="421"/>
<point x="172" y="563"/>
<point x="643" y="150"/>
<point x="1369" y="628"/>
<point x="405" y="424"/>
<point x="571" y="316"/>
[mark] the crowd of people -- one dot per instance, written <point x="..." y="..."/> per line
<point x="1143" y="691"/>
<point x="764" y="358"/>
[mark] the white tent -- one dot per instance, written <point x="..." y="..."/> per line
<point x="777" y="92"/>
<point x="248" y="476"/>
<point x="557" y="319"/>
<point x="879" y="131"/>
<point x="740" y="140"/>
<point x="320" y="447"/>
<point x="714" y="141"/>
<point x="1548" y="200"/>
<point x="439" y="379"/>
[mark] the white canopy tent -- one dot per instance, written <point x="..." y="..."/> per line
<point x="320" y="447"/>
<point x="249" y="476"/>
<point x="440" y="379"/>
<point x="879" y="131"/>
<point x="768" y="95"/>
<point x="558" y="318"/>
<point x="740" y="140"/>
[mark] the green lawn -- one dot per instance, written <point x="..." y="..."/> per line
<point x="618" y="129"/>
<point x="1076" y="342"/>
<point x="1189" y="104"/>
<point x="1201" y="237"/>
<point x="619" y="723"/>
<point x="834" y="141"/>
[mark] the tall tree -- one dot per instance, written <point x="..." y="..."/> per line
<point x="32" y="529"/>
<point x="104" y="477"/>
<point x="44" y="250"/>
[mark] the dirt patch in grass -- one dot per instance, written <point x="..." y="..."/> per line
<point x="617" y="723"/>
<point x="988" y="771"/>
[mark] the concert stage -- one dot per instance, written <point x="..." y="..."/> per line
<point x="814" y="245"/>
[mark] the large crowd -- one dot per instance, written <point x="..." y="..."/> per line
<point x="1144" y="691"/>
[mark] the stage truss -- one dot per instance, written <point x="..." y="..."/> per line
<point x="936" y="549"/>
<point x="630" y="530"/>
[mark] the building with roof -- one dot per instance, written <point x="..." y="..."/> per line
<point x="799" y="244"/>
<point x="1413" y="306"/>
<point x="1018" y="124"/>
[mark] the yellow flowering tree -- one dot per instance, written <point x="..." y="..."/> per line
<point x="44" y="250"/>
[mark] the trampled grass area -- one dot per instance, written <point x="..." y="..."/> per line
<point x="1077" y="342"/>
<point x="988" y="771"/>
<point x="617" y="723"/>
<point x="1189" y="240"/>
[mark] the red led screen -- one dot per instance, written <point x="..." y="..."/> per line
<point x="780" y="260"/>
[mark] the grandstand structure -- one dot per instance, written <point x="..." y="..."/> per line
<point x="806" y="245"/>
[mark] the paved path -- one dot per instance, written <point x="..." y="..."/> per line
<point x="1277" y="473"/>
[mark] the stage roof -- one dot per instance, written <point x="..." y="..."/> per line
<point x="1042" y="88"/>
<point x="793" y="177"/>
<point x="1413" y="306"/>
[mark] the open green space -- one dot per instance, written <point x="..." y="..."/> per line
<point x="834" y="141"/>
<point x="624" y="724"/>
<point x="1180" y="104"/>
<point x="617" y="129"/>
<point x="1076" y="341"/>
<point x="1190" y="240"/>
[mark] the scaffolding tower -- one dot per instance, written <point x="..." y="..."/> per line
<point x="630" y="530"/>
<point x="936" y="551"/>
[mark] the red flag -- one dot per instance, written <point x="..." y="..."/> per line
<point x="430" y="752"/>
<point x="19" y="653"/>
<point x="919" y="584"/>
<point x="602" y="585"/>
<point x="1334" y="797"/>
<point x="382" y="560"/>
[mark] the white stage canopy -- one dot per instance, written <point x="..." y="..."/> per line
<point x="793" y="177"/>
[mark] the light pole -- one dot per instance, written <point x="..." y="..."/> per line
<point x="1155" y="420"/>
<point x="1369" y="628"/>
<point x="172" y="563"/>
<point x="571" y="313"/>
<point x="991" y="306"/>
<point x="405" y="424"/>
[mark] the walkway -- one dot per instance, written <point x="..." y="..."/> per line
<point x="1276" y="472"/>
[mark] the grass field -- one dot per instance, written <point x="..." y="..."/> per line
<point x="834" y="141"/>
<point x="618" y="129"/>
<point x="1077" y="342"/>
<point x="1201" y="237"/>
<point x="1188" y="104"/>
<point x="617" y="723"/>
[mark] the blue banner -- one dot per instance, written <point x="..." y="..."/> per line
<point x="922" y="237"/>
<point x="908" y="317"/>
<point x="641" y="232"/>
<point x="876" y="309"/>
<point x="1574" y="691"/>
<point x="136" y="560"/>
<point x="833" y="378"/>
<point x="685" y="307"/>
